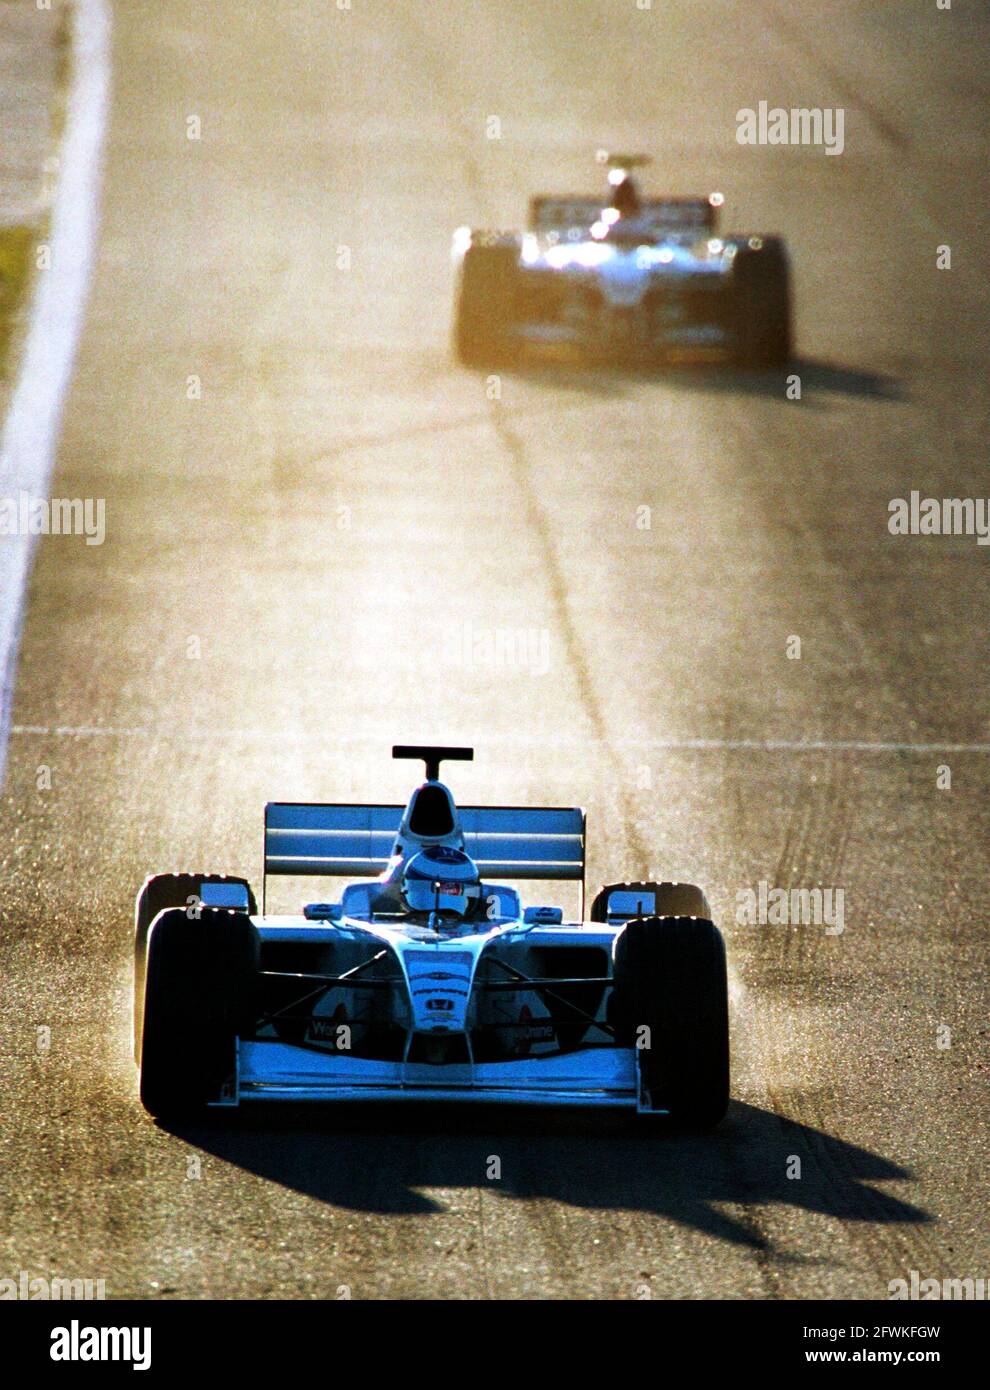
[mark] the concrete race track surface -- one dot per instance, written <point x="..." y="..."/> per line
<point x="305" y="499"/>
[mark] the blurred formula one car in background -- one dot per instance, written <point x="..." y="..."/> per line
<point x="428" y="982"/>
<point x="624" y="278"/>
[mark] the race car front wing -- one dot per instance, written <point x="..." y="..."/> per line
<point x="594" y="1076"/>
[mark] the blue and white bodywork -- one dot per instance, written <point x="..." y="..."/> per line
<point x="362" y="998"/>
<point x="622" y="277"/>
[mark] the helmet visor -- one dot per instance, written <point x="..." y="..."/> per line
<point x="428" y="895"/>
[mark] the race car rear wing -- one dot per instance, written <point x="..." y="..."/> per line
<point x="657" y="214"/>
<point x="334" y="840"/>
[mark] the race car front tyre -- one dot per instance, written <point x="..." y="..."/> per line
<point x="671" y="1002"/>
<point x="484" y="313"/>
<point x="159" y="892"/>
<point x="761" y="284"/>
<point x="202" y="993"/>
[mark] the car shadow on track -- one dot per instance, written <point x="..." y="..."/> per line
<point x="386" y="1159"/>
<point x="818" y="379"/>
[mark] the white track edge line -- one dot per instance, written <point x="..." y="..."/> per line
<point x="31" y="430"/>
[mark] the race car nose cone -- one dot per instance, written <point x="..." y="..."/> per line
<point x="623" y="281"/>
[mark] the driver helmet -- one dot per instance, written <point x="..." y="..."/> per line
<point x="625" y="196"/>
<point x="443" y="879"/>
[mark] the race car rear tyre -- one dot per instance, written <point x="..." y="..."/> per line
<point x="762" y="305"/>
<point x="159" y="892"/>
<point x="663" y="899"/>
<point x="672" y="1004"/>
<point x="202" y="993"/>
<point x="484" y="313"/>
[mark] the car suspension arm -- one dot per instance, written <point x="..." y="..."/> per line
<point x="544" y="988"/>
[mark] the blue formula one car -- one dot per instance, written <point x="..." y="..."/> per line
<point x="622" y="278"/>
<point x="428" y="979"/>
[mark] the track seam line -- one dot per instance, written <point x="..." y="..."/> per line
<point x="674" y="745"/>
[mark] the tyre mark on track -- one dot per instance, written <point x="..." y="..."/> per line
<point x="538" y="522"/>
<point x="796" y="36"/>
<point x="814" y="849"/>
<point x="463" y="139"/>
<point x="813" y="853"/>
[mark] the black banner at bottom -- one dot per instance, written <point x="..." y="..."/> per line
<point x="311" y="1339"/>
